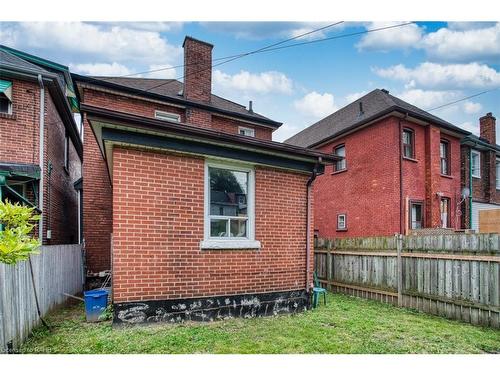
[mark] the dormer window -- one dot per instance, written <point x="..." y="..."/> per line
<point x="5" y="96"/>
<point x="167" y="116"/>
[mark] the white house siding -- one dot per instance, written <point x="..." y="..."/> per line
<point x="476" y="207"/>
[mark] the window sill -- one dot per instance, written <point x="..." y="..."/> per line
<point x="342" y="171"/>
<point x="9" y="116"/>
<point x="410" y="159"/>
<point x="229" y="244"/>
<point x="342" y="230"/>
<point x="447" y="176"/>
<point x="477" y="177"/>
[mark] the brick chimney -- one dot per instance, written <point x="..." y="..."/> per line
<point x="197" y="70"/>
<point x="487" y="128"/>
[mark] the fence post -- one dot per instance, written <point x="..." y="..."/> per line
<point x="329" y="265"/>
<point x="399" y="247"/>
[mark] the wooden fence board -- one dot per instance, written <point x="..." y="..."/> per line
<point x="57" y="269"/>
<point x="455" y="276"/>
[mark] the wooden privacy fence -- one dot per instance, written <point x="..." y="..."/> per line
<point x="57" y="270"/>
<point x="455" y="275"/>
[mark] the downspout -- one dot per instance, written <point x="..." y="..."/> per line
<point x="308" y="221"/>
<point x="470" y="188"/>
<point x="40" y="156"/>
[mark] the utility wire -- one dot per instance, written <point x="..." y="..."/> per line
<point x="461" y="100"/>
<point x="228" y="59"/>
<point x="234" y="56"/>
<point x="274" y="47"/>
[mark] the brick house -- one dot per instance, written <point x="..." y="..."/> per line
<point x="208" y="216"/>
<point x="481" y="175"/>
<point x="40" y="146"/>
<point x="401" y="169"/>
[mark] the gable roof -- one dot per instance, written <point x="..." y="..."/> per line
<point x="7" y="59"/>
<point x="172" y="89"/>
<point x="376" y="103"/>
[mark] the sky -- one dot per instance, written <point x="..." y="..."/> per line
<point x="425" y="63"/>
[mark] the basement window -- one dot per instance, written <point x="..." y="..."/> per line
<point x="229" y="207"/>
<point x="5" y="97"/>
<point x="167" y="116"/>
<point x="341" y="222"/>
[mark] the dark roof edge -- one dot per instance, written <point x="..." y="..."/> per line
<point x="385" y="112"/>
<point x="58" y="96"/>
<point x="268" y="122"/>
<point x="159" y="125"/>
<point x="196" y="40"/>
<point x="472" y="140"/>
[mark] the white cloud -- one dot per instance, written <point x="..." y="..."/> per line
<point x="433" y="75"/>
<point x="92" y="42"/>
<point x="145" y="26"/>
<point x="246" y="82"/>
<point x="469" y="126"/>
<point x="427" y="99"/>
<point x="476" y="44"/>
<point x="316" y="105"/>
<point x="101" y="69"/>
<point x="472" y="107"/>
<point x="468" y="25"/>
<point x="271" y="30"/>
<point x="384" y="40"/>
<point x="355" y="96"/>
<point x="161" y="71"/>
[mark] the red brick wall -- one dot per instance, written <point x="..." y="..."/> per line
<point x="19" y="143"/>
<point x="19" y="131"/>
<point x="98" y="205"/>
<point x="98" y="192"/>
<point x="197" y="70"/>
<point x="60" y="196"/>
<point x="158" y="213"/>
<point x="231" y="126"/>
<point x="368" y="192"/>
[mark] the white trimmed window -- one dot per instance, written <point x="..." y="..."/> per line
<point x="229" y="207"/>
<point x="476" y="163"/>
<point x="341" y="221"/>
<point x="497" y="170"/>
<point x="167" y="116"/>
<point x="249" y="132"/>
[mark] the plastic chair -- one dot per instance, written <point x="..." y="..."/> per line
<point x="317" y="291"/>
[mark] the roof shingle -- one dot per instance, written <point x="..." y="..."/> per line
<point x="362" y="110"/>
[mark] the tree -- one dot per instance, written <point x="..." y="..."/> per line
<point x="224" y="180"/>
<point x="16" y="227"/>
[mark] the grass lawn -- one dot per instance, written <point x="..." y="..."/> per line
<point x="345" y="325"/>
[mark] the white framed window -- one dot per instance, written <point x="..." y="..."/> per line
<point x="475" y="163"/>
<point x="249" y="132"/>
<point x="229" y="206"/>
<point x="497" y="170"/>
<point x="167" y="116"/>
<point x="341" y="164"/>
<point x="341" y="221"/>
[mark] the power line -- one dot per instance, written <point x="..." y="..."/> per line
<point x="274" y="47"/>
<point x="461" y="100"/>
<point x="234" y="56"/>
<point x="228" y="59"/>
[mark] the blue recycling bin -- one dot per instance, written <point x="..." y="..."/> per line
<point x="96" y="302"/>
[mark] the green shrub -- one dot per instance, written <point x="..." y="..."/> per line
<point x="16" y="227"/>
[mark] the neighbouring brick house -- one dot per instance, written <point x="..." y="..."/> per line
<point x="36" y="102"/>
<point x="401" y="169"/>
<point x="205" y="215"/>
<point x="481" y="175"/>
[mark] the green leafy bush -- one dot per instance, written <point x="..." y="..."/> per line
<point x="16" y="227"/>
